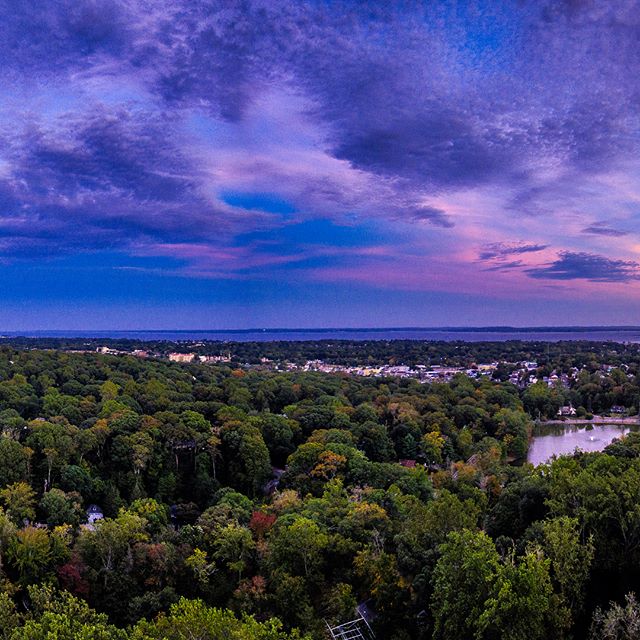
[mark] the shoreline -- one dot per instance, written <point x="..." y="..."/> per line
<point x="599" y="420"/>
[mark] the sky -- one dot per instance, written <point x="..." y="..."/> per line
<point x="177" y="164"/>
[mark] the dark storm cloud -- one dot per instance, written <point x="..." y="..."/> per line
<point x="587" y="266"/>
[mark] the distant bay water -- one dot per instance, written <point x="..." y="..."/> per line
<point x="447" y="334"/>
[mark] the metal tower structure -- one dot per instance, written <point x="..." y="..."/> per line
<point x="357" y="629"/>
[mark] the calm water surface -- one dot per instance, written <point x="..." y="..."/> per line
<point x="561" y="440"/>
<point x="631" y="334"/>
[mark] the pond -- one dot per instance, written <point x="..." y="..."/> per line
<point x="563" y="440"/>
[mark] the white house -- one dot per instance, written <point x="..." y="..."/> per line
<point x="94" y="512"/>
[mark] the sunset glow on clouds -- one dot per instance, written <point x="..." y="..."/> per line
<point x="234" y="164"/>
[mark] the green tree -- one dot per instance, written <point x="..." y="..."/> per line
<point x="108" y="390"/>
<point x="153" y="512"/>
<point x="519" y="607"/>
<point x="540" y="401"/>
<point x="198" y="562"/>
<point x="63" y="617"/>
<point x="192" y="619"/>
<point x="374" y="440"/>
<point x="513" y="427"/>
<point x="234" y="546"/>
<point x="570" y="559"/>
<point x="14" y="462"/>
<point x="55" y="442"/>
<point x="62" y="508"/>
<point x="19" y="500"/>
<point x="278" y="433"/>
<point x="30" y="552"/>
<point x="111" y="542"/>
<point x="431" y="444"/>
<point x="7" y="534"/>
<point x="246" y="456"/>
<point x="9" y="618"/>
<point x="463" y="581"/>
<point x="298" y="544"/>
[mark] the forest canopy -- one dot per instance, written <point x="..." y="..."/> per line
<point x="140" y="497"/>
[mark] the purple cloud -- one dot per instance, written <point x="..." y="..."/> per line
<point x="501" y="250"/>
<point x="505" y="266"/>
<point x="602" y="229"/>
<point x="587" y="266"/>
<point x="434" y="216"/>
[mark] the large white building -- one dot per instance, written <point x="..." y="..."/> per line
<point x="182" y="357"/>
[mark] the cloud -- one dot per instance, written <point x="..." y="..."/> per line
<point x="105" y="178"/>
<point x="435" y="216"/>
<point x="123" y="123"/>
<point x="602" y="229"/>
<point x="501" y="250"/>
<point x="586" y="266"/>
<point x="505" y="266"/>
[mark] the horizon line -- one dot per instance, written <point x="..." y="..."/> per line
<point x="460" y="328"/>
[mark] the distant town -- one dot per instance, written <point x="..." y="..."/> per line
<point x="522" y="374"/>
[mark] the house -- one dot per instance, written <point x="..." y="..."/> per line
<point x="94" y="512"/>
<point x="409" y="464"/>
<point x="566" y="411"/>
<point x="182" y="357"/>
<point x="106" y="350"/>
<point x="616" y="408"/>
<point x="272" y="486"/>
<point x="219" y="358"/>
